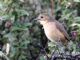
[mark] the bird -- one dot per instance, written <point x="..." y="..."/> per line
<point x="53" y="29"/>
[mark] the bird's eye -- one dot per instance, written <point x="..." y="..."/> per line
<point x="41" y="16"/>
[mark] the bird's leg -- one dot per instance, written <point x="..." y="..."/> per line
<point x="61" y="48"/>
<point x="59" y="45"/>
<point x="70" y="48"/>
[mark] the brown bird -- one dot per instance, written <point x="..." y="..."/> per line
<point x="53" y="29"/>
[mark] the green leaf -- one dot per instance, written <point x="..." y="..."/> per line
<point x="76" y="0"/>
<point x="22" y="12"/>
<point x="18" y="28"/>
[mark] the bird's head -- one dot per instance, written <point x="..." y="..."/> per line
<point x="43" y="18"/>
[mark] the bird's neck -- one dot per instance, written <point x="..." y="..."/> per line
<point x="45" y="22"/>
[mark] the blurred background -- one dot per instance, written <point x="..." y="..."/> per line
<point x="22" y="38"/>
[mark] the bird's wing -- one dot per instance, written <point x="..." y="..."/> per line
<point x="62" y="29"/>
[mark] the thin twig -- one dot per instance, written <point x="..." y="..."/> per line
<point x="3" y="55"/>
<point x="52" y="7"/>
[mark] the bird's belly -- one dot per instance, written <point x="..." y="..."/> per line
<point x="53" y="34"/>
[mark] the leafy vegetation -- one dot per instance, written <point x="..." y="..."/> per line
<point x="25" y="36"/>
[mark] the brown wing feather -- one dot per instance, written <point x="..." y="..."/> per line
<point x="62" y="29"/>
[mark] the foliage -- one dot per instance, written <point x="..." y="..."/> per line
<point x="26" y="37"/>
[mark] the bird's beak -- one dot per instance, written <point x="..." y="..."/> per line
<point x="36" y="19"/>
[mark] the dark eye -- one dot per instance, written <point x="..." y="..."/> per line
<point x="41" y="16"/>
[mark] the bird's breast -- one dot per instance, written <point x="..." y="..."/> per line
<point x="52" y="32"/>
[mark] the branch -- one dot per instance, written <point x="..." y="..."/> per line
<point x="52" y="7"/>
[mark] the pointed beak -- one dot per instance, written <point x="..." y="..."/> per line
<point x="36" y="19"/>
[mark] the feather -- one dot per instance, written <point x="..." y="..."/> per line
<point x="62" y="29"/>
